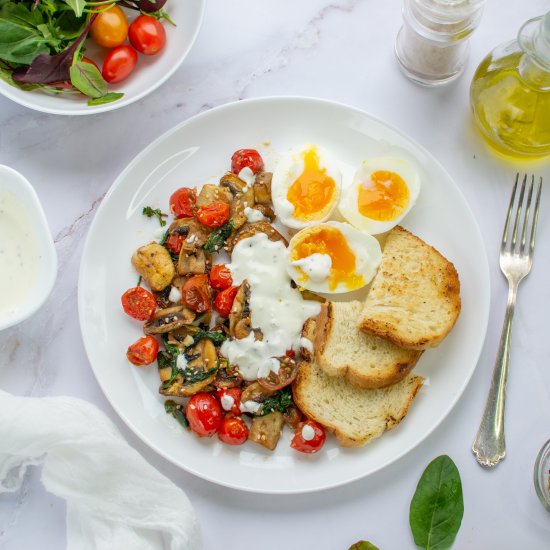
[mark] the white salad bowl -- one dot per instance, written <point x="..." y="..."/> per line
<point x="149" y="74"/>
<point x="14" y="183"/>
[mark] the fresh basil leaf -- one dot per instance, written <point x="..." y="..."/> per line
<point x="77" y="6"/>
<point x="107" y="98"/>
<point x="437" y="506"/>
<point x="87" y="78"/>
<point x="363" y="545"/>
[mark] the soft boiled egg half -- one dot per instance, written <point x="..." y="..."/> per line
<point x="333" y="257"/>
<point x="305" y="187"/>
<point x="383" y="191"/>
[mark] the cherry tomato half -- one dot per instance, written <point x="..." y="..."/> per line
<point x="196" y="293"/>
<point x="214" y="215"/>
<point x="314" y="440"/>
<point x="246" y="158"/>
<point x="110" y="27"/>
<point x="182" y="202"/>
<point x="203" y="414"/>
<point x="233" y="431"/>
<point x="174" y="242"/>
<point x="224" y="300"/>
<point x="147" y="35"/>
<point x="220" y="277"/>
<point x="287" y="373"/>
<point x="143" y="352"/>
<point x="139" y="303"/>
<point x="230" y="396"/>
<point x="119" y="63"/>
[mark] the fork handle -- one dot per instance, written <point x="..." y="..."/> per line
<point x="489" y="446"/>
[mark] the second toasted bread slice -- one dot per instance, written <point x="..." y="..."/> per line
<point x="365" y="361"/>
<point x="414" y="299"/>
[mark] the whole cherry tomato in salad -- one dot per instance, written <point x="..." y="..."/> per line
<point x="230" y="399"/>
<point x="110" y="27"/>
<point x="119" y="63"/>
<point x="90" y="62"/>
<point x="144" y="351"/>
<point x="220" y="277"/>
<point x="182" y="202"/>
<point x="233" y="431"/>
<point x="174" y="242"/>
<point x="147" y="35"/>
<point x="224" y="300"/>
<point x="214" y="215"/>
<point x="203" y="414"/>
<point x="196" y="293"/>
<point x="139" y="303"/>
<point x="309" y="437"/>
<point x="246" y="158"/>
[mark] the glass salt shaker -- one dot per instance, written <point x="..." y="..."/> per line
<point x="432" y="45"/>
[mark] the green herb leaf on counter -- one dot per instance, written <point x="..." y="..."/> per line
<point x="279" y="401"/>
<point x="216" y="240"/>
<point x="176" y="410"/>
<point x="437" y="506"/>
<point x="150" y="212"/>
<point x="363" y="545"/>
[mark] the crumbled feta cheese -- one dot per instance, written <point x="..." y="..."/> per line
<point x="250" y="407"/>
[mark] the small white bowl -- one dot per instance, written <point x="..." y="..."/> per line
<point x="150" y="73"/>
<point x="17" y="185"/>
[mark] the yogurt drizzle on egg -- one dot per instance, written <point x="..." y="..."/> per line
<point x="277" y="309"/>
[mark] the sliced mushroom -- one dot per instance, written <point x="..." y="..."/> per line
<point x="262" y="188"/>
<point x="255" y="392"/>
<point x="228" y="377"/>
<point x="154" y="264"/>
<point x="211" y="193"/>
<point x="233" y="183"/>
<point x="266" y="430"/>
<point x="239" y="319"/>
<point x="266" y="211"/>
<point x="169" y="319"/>
<point x="293" y="416"/>
<point x="251" y="229"/>
<point x="240" y="202"/>
<point x="195" y="234"/>
<point x="193" y="262"/>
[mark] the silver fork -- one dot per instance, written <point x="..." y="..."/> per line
<point x="516" y="258"/>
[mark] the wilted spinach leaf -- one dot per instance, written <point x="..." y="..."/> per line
<point x="216" y="240"/>
<point x="279" y="401"/>
<point x="437" y="506"/>
<point x="176" y="410"/>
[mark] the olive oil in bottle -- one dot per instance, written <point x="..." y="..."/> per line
<point x="510" y="93"/>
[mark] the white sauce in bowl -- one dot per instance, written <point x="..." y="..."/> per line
<point x="19" y="254"/>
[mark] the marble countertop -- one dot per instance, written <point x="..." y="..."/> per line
<point x="344" y="52"/>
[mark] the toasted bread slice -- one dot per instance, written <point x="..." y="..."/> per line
<point x="414" y="299"/>
<point x="354" y="415"/>
<point x="366" y="361"/>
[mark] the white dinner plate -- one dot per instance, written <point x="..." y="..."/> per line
<point x="150" y="72"/>
<point x="199" y="150"/>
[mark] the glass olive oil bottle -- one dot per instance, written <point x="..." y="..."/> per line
<point x="510" y="92"/>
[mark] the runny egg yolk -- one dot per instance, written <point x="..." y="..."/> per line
<point x="383" y="197"/>
<point x="331" y="241"/>
<point x="312" y="190"/>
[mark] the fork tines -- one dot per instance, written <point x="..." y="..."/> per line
<point x="526" y="216"/>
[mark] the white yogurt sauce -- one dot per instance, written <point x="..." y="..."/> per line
<point x="316" y="267"/>
<point x="277" y="309"/>
<point x="19" y="254"/>
<point x="175" y="295"/>
<point x="247" y="175"/>
<point x="227" y="402"/>
<point x="308" y="433"/>
<point x="253" y="215"/>
<point x="307" y="344"/>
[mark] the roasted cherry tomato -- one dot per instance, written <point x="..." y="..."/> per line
<point x="214" y="215"/>
<point x="196" y="293"/>
<point x="182" y="202"/>
<point x="220" y="277"/>
<point x="139" y="303"/>
<point x="230" y="398"/>
<point x="309" y="437"/>
<point x="286" y="375"/>
<point x="119" y="63"/>
<point x="143" y="352"/>
<point x="174" y="242"/>
<point x="244" y="158"/>
<point x="110" y="27"/>
<point x="147" y="35"/>
<point x="233" y="431"/>
<point x="203" y="414"/>
<point x="224" y="300"/>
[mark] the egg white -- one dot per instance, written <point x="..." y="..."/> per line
<point x="348" y="206"/>
<point x="365" y="247"/>
<point x="288" y="169"/>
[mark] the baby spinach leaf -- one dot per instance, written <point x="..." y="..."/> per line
<point x="107" y="98"/>
<point x="363" y="545"/>
<point x="437" y="506"/>
<point x="87" y="78"/>
<point x="77" y="6"/>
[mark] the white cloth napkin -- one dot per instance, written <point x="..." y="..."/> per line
<point x="115" y="499"/>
